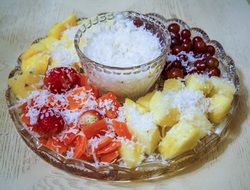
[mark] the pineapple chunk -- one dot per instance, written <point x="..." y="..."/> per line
<point x="42" y="46"/>
<point x="36" y="64"/>
<point x="173" y="84"/>
<point x="144" y="101"/>
<point x="32" y="50"/>
<point x="219" y="107"/>
<point x="48" y="42"/>
<point x="198" y="82"/>
<point x="222" y="86"/>
<point x="57" y="30"/>
<point x="180" y="138"/>
<point x="23" y="84"/>
<point x="142" y="127"/>
<point x="200" y="121"/>
<point x="131" y="153"/>
<point x="164" y="115"/>
<point x="130" y="103"/>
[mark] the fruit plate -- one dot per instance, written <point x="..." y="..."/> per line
<point x="149" y="169"/>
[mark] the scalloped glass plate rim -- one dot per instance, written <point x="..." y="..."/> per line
<point x="147" y="170"/>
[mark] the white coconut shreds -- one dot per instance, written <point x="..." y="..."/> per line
<point x="188" y="102"/>
<point x="122" y="44"/>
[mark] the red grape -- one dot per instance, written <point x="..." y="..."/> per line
<point x="200" y="65"/>
<point x="200" y="46"/>
<point x="186" y="47"/>
<point x="197" y="39"/>
<point x="176" y="64"/>
<point x="210" y="50"/>
<point x="212" y="62"/>
<point x="175" y="73"/>
<point x="174" y="28"/>
<point x="214" y="72"/>
<point x="185" y="33"/>
<point x="177" y="49"/>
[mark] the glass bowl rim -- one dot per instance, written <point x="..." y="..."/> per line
<point x="80" y="53"/>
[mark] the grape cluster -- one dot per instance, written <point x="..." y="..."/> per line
<point x="189" y="55"/>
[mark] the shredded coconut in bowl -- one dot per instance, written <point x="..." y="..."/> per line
<point x="122" y="44"/>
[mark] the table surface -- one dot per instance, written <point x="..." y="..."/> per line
<point x="227" y="21"/>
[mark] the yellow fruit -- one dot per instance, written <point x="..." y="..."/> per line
<point x="70" y="21"/>
<point x="48" y="42"/>
<point x="219" y="107"/>
<point x="36" y="64"/>
<point x="57" y="30"/>
<point x="173" y="84"/>
<point x="130" y="103"/>
<point x="144" y="101"/>
<point x="198" y="82"/>
<point x="131" y="153"/>
<point x="32" y="50"/>
<point x="222" y="86"/>
<point x="180" y="138"/>
<point x="164" y="115"/>
<point x="141" y="126"/>
<point x="23" y="84"/>
<point x="200" y="121"/>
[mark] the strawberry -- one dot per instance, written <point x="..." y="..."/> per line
<point x="61" y="79"/>
<point x="89" y="117"/>
<point x="49" y="121"/>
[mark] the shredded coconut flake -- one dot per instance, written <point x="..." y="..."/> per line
<point x="122" y="44"/>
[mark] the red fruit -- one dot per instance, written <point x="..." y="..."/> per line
<point x="175" y="73"/>
<point x="210" y="50"/>
<point x="200" y="65"/>
<point x="186" y="40"/>
<point x="89" y="117"/>
<point x="61" y="79"/>
<point x="200" y="47"/>
<point x="138" y="22"/>
<point x="212" y="62"/>
<point x="177" y="49"/>
<point x="175" y="39"/>
<point x="174" y="28"/>
<point x="185" y="33"/>
<point x="214" y="72"/>
<point x="197" y="39"/>
<point x="186" y="47"/>
<point x="176" y="64"/>
<point x="49" y="121"/>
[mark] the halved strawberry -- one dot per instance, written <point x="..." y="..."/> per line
<point x="61" y="79"/>
<point x="89" y="117"/>
<point x="49" y="122"/>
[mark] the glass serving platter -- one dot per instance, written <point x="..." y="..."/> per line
<point x="148" y="169"/>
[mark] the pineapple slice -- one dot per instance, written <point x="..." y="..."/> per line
<point x="57" y="29"/>
<point x="48" y="42"/>
<point x="23" y="84"/>
<point x="32" y="50"/>
<point x="222" y="86"/>
<point x="219" y="107"/>
<point x="142" y="127"/>
<point x="181" y="137"/>
<point x="173" y="84"/>
<point x="144" y="101"/>
<point x="130" y="103"/>
<point x="36" y="64"/>
<point x="131" y="153"/>
<point x="163" y="114"/>
<point x="200" y="121"/>
<point x="198" y="82"/>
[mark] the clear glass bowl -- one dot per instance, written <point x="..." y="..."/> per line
<point x="148" y="169"/>
<point x="129" y="82"/>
